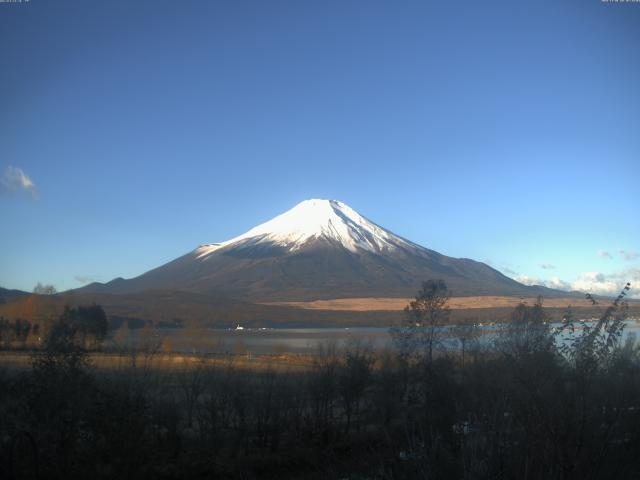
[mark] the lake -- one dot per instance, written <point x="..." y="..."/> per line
<point x="298" y="340"/>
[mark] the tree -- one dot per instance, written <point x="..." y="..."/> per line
<point x="467" y="335"/>
<point x="17" y="330"/>
<point x="425" y="316"/>
<point x="22" y="328"/>
<point x="593" y="348"/>
<point x="528" y="333"/>
<point x="41" y="289"/>
<point x="80" y="325"/>
<point x="95" y="325"/>
<point x="6" y="332"/>
<point x="354" y="377"/>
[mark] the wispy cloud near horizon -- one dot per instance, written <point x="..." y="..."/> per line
<point x="592" y="282"/>
<point x="14" y="178"/>
<point x="605" y="254"/>
<point x="84" y="279"/>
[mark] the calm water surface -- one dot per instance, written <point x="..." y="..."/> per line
<point x="301" y="340"/>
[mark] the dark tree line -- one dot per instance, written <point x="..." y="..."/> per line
<point x="84" y="325"/>
<point x="17" y="331"/>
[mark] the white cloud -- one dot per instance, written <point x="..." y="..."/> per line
<point x="557" y="283"/>
<point x="605" y="254"/>
<point x="593" y="282"/>
<point x="14" y="179"/>
<point x="527" y="280"/>
<point x="629" y="254"/>
<point x="547" y="266"/>
<point x="84" y="279"/>
<point x="553" y="282"/>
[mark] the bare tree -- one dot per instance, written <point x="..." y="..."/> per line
<point x="354" y="377"/>
<point x="46" y="289"/>
<point x="528" y="333"/>
<point x="191" y="381"/>
<point x="424" y="316"/>
<point x="467" y="336"/>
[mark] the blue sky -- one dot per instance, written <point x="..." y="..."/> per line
<point x="507" y="132"/>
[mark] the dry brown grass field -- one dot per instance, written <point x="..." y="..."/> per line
<point x="456" y="303"/>
<point x="156" y="361"/>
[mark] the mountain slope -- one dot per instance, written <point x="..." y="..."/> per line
<point x="6" y="294"/>
<point x="317" y="250"/>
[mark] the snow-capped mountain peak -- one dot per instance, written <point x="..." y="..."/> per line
<point x="320" y="249"/>
<point x="314" y="219"/>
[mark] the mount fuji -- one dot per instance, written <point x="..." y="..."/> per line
<point x="319" y="249"/>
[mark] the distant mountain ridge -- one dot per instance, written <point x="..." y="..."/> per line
<point x="7" y="294"/>
<point x="320" y="249"/>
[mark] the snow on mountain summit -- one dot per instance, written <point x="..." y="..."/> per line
<point x="315" y="219"/>
<point x="318" y="250"/>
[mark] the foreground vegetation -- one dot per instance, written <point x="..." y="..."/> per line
<point x="528" y="407"/>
